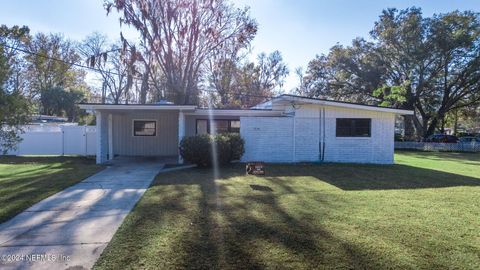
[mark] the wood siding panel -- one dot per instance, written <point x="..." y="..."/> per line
<point x="165" y="143"/>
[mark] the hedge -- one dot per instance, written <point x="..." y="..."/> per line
<point x="198" y="149"/>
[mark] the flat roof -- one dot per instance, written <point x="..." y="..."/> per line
<point x="264" y="108"/>
<point x="152" y="106"/>
<point x="235" y="112"/>
<point x="345" y="104"/>
<point x="188" y="109"/>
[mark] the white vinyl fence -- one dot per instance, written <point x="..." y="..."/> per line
<point x="57" y="140"/>
<point x="431" y="146"/>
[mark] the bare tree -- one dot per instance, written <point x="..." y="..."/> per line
<point x="97" y="44"/>
<point x="182" y="34"/>
<point x="243" y="83"/>
<point x="113" y="64"/>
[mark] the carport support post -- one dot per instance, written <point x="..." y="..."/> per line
<point x="102" y="136"/>
<point x="98" y="119"/>
<point x="110" y="136"/>
<point x="181" y="133"/>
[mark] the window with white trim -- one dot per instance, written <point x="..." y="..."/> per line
<point x="144" y="128"/>
<point x="354" y="127"/>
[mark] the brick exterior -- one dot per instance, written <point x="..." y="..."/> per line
<point x="274" y="139"/>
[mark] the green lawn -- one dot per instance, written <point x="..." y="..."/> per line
<point x="423" y="212"/>
<point x="27" y="180"/>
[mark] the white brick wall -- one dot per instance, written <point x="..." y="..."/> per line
<point x="270" y="139"/>
<point x="267" y="139"/>
<point x="307" y="139"/>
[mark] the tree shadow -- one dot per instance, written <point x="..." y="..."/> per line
<point x="21" y="189"/>
<point x="375" y="177"/>
<point x="44" y="159"/>
<point x="190" y="220"/>
<point x="252" y="230"/>
<point x="444" y="156"/>
<point x="77" y="215"/>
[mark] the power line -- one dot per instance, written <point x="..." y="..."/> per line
<point x="63" y="61"/>
<point x="118" y="74"/>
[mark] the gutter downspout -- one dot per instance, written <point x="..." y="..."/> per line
<point x="323" y="132"/>
<point x="320" y="134"/>
<point x="294" y="143"/>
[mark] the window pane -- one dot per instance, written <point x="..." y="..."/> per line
<point x="235" y="126"/>
<point x="144" y="128"/>
<point x="219" y="126"/>
<point x="202" y="127"/>
<point x="362" y="127"/>
<point x="353" y="127"/>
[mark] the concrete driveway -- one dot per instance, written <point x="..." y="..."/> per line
<point x="71" y="228"/>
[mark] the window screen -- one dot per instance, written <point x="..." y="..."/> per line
<point x="353" y="127"/>
<point x="144" y="128"/>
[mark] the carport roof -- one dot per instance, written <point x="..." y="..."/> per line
<point x="188" y="109"/>
<point x="101" y="106"/>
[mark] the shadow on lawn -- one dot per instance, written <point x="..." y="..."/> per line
<point x="375" y="177"/>
<point x="21" y="189"/>
<point x="189" y="220"/>
<point x="44" y="159"/>
<point x="463" y="157"/>
<point x="251" y="230"/>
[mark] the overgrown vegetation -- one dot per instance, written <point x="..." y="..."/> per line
<point x="421" y="213"/>
<point x="198" y="149"/>
<point x="14" y="106"/>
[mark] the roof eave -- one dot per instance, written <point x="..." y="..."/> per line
<point x="345" y="105"/>
<point x="136" y="107"/>
<point x="206" y="112"/>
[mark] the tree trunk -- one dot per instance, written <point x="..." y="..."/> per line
<point x="442" y="127"/>
<point x="409" y="127"/>
<point x="431" y="128"/>
<point x="455" y="124"/>
<point x="144" y="87"/>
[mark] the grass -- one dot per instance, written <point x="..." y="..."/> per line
<point x="422" y="213"/>
<point x="25" y="181"/>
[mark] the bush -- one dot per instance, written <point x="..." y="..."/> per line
<point x="198" y="149"/>
<point x="237" y="145"/>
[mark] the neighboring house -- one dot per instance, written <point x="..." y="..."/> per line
<point x="287" y="128"/>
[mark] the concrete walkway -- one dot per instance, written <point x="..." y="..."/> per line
<point x="71" y="228"/>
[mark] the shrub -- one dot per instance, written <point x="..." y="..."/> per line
<point x="237" y="145"/>
<point x="198" y="149"/>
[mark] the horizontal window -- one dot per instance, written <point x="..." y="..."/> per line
<point x="144" y="128"/>
<point x="205" y="126"/>
<point x="353" y="127"/>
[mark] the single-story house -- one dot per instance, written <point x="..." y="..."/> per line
<point x="287" y="128"/>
